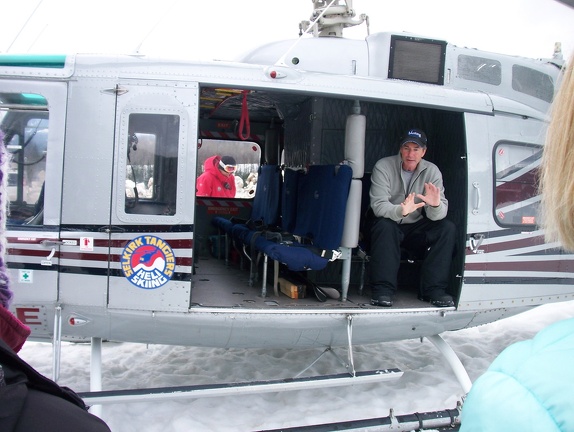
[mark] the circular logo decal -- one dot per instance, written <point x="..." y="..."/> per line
<point x="148" y="262"/>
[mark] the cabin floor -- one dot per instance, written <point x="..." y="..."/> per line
<point x="216" y="284"/>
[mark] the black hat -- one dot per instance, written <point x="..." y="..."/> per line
<point x="416" y="136"/>
<point x="228" y="160"/>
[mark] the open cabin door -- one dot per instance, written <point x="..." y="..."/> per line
<point x="151" y="230"/>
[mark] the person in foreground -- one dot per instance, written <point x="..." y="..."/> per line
<point x="217" y="179"/>
<point x="409" y="209"/>
<point x="30" y="402"/>
<point x="528" y="387"/>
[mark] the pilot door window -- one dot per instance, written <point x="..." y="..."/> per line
<point x="516" y="196"/>
<point x="152" y="163"/>
<point x="24" y="133"/>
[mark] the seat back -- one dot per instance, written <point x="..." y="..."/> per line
<point x="321" y="203"/>
<point x="291" y="178"/>
<point x="266" y="204"/>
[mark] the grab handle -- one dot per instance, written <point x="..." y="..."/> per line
<point x="478" y="198"/>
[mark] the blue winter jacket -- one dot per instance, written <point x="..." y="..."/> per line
<point x="528" y="387"/>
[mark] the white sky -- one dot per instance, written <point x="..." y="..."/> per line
<point x="222" y="29"/>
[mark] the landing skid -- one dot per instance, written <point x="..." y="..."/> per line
<point x="351" y="377"/>
<point x="439" y="419"/>
<point x="236" y="389"/>
<point x="444" y="419"/>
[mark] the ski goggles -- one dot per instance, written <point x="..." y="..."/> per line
<point x="227" y="168"/>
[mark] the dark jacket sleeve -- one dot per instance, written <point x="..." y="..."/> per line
<point x="29" y="401"/>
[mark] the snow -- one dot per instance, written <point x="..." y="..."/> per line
<point x="427" y="384"/>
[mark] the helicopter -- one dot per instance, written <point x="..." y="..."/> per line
<point x="106" y="238"/>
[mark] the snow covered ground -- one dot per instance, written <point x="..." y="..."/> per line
<point x="427" y="384"/>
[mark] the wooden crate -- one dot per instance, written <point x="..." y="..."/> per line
<point x="292" y="289"/>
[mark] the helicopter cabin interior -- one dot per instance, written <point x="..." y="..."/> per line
<point x="297" y="132"/>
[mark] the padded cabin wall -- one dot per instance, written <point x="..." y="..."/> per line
<point x="386" y="124"/>
<point x="317" y="135"/>
<point x="335" y="112"/>
<point x="300" y="129"/>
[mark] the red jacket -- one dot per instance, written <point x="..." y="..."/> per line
<point x="12" y="331"/>
<point x="213" y="183"/>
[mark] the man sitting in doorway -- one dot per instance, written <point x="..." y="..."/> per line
<point x="409" y="208"/>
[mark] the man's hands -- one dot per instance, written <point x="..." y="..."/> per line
<point x="431" y="197"/>
<point x="409" y="206"/>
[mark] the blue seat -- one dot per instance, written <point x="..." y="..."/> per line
<point x="320" y="215"/>
<point x="266" y="204"/>
<point x="289" y="192"/>
<point x="265" y="213"/>
<point x="309" y="222"/>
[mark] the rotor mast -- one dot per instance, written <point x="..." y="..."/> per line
<point x="330" y="17"/>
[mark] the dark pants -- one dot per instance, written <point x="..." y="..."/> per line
<point x="432" y="241"/>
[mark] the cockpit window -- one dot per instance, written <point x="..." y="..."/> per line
<point x="479" y="69"/>
<point x="24" y="131"/>
<point x="532" y="82"/>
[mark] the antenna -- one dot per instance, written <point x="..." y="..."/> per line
<point x="281" y="61"/>
<point x="37" y="37"/>
<point x="138" y="47"/>
<point x="330" y="21"/>
<point x="337" y="18"/>
<point x="24" y="25"/>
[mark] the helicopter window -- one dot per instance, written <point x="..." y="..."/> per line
<point x="532" y="82"/>
<point x="24" y="130"/>
<point x="479" y="69"/>
<point x="516" y="195"/>
<point x="247" y="155"/>
<point x="152" y="162"/>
